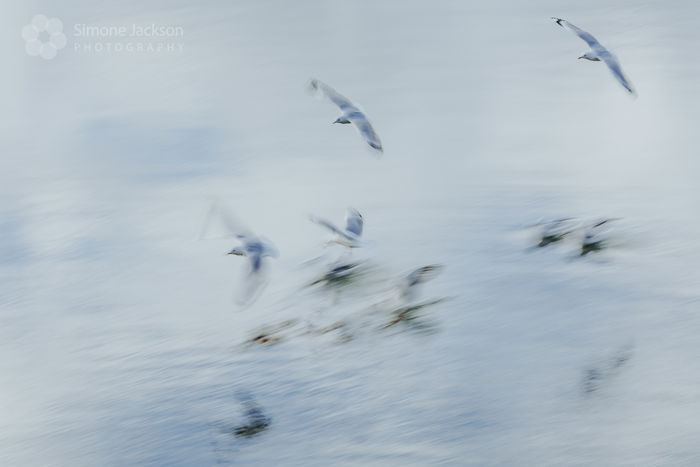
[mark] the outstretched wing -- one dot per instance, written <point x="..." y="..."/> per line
<point x="558" y="226"/>
<point x="329" y="225"/>
<point x="338" y="99"/>
<point x="365" y="128"/>
<point x="269" y="248"/>
<point x="225" y="222"/>
<point x="603" y="221"/>
<point x="354" y="222"/>
<point x="586" y="36"/>
<point x="422" y="274"/>
<point x="252" y="284"/>
<point x="407" y="286"/>
<point x="614" y="66"/>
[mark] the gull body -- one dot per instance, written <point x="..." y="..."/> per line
<point x="255" y="249"/>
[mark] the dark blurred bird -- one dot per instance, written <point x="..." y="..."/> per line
<point x="337" y="272"/>
<point x="257" y="421"/>
<point x="554" y="231"/>
<point x="595" y="376"/>
<point x="594" y="238"/>
<point x="405" y="306"/>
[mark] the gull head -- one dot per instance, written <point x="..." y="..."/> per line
<point x="342" y="119"/>
<point x="237" y="252"/>
<point x="589" y="56"/>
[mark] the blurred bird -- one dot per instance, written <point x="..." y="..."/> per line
<point x="405" y="308"/>
<point x="337" y="272"/>
<point x="409" y="286"/>
<point x="350" y="114"/>
<point x="598" y="53"/>
<point x="350" y="236"/>
<point x="594" y="238"/>
<point x="255" y="248"/>
<point x="552" y="231"/>
<point x="555" y="231"/>
<point x="257" y="421"/>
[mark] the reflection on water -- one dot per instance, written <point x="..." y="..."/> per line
<point x="597" y="375"/>
<point x="256" y="420"/>
<point x="122" y="339"/>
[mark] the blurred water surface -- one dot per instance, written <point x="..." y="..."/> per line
<point x="121" y="343"/>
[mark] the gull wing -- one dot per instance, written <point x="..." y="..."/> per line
<point x="547" y="223"/>
<point x="251" y="286"/>
<point x="227" y="221"/>
<point x="365" y="128"/>
<point x="423" y="274"/>
<point x="330" y="226"/>
<point x="407" y="286"/>
<point x="354" y="222"/>
<point x="586" y="36"/>
<point x="269" y="248"/>
<point x="338" y="99"/>
<point x="562" y="226"/>
<point x="603" y="221"/>
<point x="614" y="66"/>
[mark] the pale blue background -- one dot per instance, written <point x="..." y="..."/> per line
<point x="119" y="342"/>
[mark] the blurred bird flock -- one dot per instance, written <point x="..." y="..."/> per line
<point x="289" y="318"/>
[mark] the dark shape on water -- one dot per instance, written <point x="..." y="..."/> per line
<point x="407" y="314"/>
<point x="257" y="421"/>
<point x="593" y="239"/>
<point x="270" y="334"/>
<point x="598" y="375"/>
<point x="593" y="246"/>
<point x="547" y="239"/>
<point x="251" y="429"/>
<point x="591" y="380"/>
<point x="340" y="273"/>
<point x="554" y="231"/>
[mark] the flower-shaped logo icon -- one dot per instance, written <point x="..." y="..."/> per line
<point x="44" y="37"/>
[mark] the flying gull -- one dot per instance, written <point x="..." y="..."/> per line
<point x="598" y="53"/>
<point x="351" y="114"/>
<point x="350" y="236"/>
<point x="255" y="248"/>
